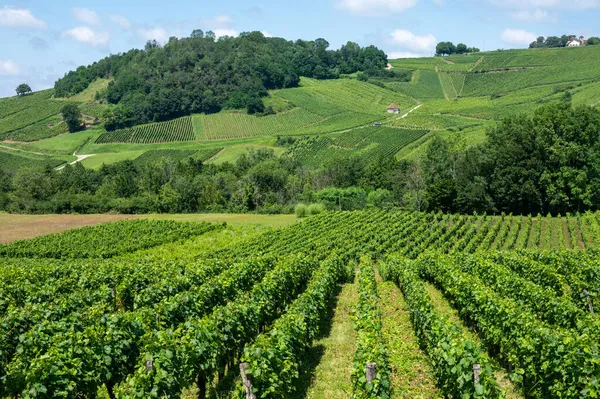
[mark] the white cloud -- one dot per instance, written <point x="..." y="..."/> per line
<point x="85" y="35"/>
<point x="9" y="68"/>
<point x="376" y="7"/>
<point x="266" y="34"/>
<point x="439" y="3"/>
<point x="410" y="41"/>
<point x="518" y="36"/>
<point x="159" y="34"/>
<point x="404" y="54"/>
<point x="537" y="15"/>
<point x="86" y="16"/>
<point x="121" y="20"/>
<point x="19" y="18"/>
<point x="225" y="32"/>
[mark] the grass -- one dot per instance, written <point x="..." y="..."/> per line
<point x="87" y="96"/>
<point x="332" y="375"/>
<point x="232" y="153"/>
<point x="66" y="143"/>
<point x="412" y="374"/>
<point x="98" y="160"/>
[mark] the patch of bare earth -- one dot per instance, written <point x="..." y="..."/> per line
<point x="20" y="227"/>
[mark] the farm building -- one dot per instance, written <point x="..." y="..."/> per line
<point x="393" y="109"/>
<point x="574" y="42"/>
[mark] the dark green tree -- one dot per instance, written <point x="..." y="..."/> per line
<point x="593" y="41"/>
<point x="461" y="48"/>
<point x="255" y="105"/>
<point x="445" y="48"/>
<point x="553" y="41"/>
<point x="72" y="117"/>
<point x="437" y="169"/>
<point x="23" y="89"/>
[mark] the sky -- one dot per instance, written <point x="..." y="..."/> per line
<point x="41" y="40"/>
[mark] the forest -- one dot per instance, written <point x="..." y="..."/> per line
<point x="202" y="74"/>
<point x="543" y="162"/>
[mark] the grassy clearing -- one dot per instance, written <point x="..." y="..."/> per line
<point x="19" y="227"/>
<point x="412" y="374"/>
<point x="87" y="96"/>
<point x="98" y="160"/>
<point x="66" y="143"/>
<point x="332" y="375"/>
<point x="232" y="153"/>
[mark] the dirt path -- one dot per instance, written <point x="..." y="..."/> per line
<point x="409" y="112"/>
<point x="79" y="159"/>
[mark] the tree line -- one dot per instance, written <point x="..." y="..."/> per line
<point x="543" y="162"/>
<point x="448" y="48"/>
<point x="562" y="41"/>
<point x="202" y="74"/>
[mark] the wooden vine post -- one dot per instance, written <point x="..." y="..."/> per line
<point x="247" y="381"/>
<point x="371" y="371"/>
<point x="589" y="301"/>
<point x="476" y="370"/>
<point x="149" y="365"/>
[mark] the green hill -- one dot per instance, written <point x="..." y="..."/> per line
<point x="464" y="93"/>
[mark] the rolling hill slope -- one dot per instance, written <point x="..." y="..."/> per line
<point x="458" y="93"/>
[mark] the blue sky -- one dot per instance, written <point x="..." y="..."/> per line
<point x="41" y="40"/>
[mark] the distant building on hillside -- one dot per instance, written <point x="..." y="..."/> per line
<point x="393" y="109"/>
<point x="574" y="42"/>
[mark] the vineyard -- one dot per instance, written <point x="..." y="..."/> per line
<point x="176" y="130"/>
<point x="425" y="85"/>
<point x="316" y="107"/>
<point x="151" y="156"/>
<point x="104" y="241"/>
<point x="47" y="128"/>
<point x="13" y="161"/>
<point x="20" y="112"/>
<point x="499" y="305"/>
<point x="368" y="142"/>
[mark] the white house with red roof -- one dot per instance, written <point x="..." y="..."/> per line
<point x="393" y="109"/>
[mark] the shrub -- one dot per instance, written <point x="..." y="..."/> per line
<point x="315" y="209"/>
<point x="301" y="211"/>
